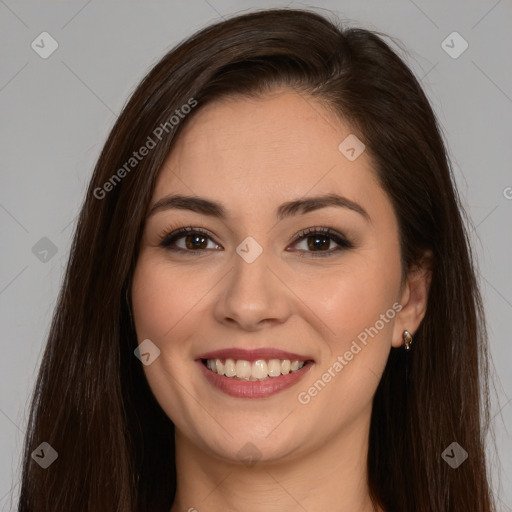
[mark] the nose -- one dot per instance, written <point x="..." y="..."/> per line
<point x="253" y="296"/>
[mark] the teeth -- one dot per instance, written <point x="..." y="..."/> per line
<point x="217" y="366"/>
<point x="274" y="368"/>
<point x="257" y="370"/>
<point x="229" y="368"/>
<point x="243" y="369"/>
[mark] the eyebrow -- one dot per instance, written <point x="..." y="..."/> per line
<point x="288" y="209"/>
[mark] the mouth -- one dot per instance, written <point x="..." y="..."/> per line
<point x="253" y="374"/>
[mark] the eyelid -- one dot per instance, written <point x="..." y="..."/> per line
<point x="172" y="232"/>
<point x="337" y="237"/>
<point x="316" y="229"/>
<point x="175" y="233"/>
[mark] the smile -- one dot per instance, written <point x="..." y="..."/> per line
<point x="249" y="374"/>
<point x="257" y="370"/>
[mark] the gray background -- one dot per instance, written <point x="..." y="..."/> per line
<point x="57" y="112"/>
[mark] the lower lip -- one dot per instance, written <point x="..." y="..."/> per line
<point x="253" y="389"/>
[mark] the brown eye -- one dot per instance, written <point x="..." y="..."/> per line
<point x="317" y="242"/>
<point x="194" y="240"/>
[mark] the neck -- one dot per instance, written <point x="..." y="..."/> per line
<point x="331" y="477"/>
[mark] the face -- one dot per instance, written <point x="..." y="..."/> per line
<point x="319" y="283"/>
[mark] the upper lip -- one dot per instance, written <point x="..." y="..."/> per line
<point x="253" y="355"/>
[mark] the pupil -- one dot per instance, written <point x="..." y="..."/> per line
<point x="193" y="245"/>
<point x="317" y="242"/>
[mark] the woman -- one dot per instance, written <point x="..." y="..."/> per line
<point x="270" y="302"/>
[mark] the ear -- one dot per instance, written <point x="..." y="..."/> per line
<point x="413" y="298"/>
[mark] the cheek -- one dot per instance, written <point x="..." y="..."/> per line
<point x="354" y="298"/>
<point x="356" y="303"/>
<point x="151" y="300"/>
<point x="163" y="308"/>
<point x="163" y="297"/>
<point x="358" y="308"/>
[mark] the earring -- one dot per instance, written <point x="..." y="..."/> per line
<point x="407" y="336"/>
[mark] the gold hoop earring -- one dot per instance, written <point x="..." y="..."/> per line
<point x="407" y="336"/>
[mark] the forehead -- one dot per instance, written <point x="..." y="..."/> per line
<point x="281" y="146"/>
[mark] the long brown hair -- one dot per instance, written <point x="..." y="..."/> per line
<point x="91" y="401"/>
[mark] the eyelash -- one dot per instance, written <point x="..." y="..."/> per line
<point x="167" y="238"/>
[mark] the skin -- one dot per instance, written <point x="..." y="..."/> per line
<point x="252" y="155"/>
